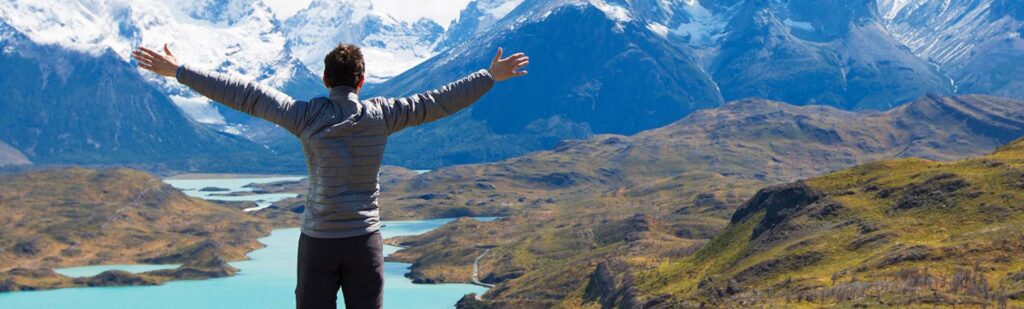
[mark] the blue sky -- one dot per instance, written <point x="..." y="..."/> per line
<point x="441" y="11"/>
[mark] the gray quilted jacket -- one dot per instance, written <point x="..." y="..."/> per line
<point x="343" y="138"/>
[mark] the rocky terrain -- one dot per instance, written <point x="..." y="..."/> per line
<point x="75" y="216"/>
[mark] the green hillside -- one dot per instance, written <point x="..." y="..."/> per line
<point x="892" y="233"/>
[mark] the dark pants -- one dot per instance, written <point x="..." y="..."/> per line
<point x="355" y="264"/>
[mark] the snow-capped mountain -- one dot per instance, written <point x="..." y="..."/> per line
<point x="598" y="66"/>
<point x="389" y="46"/>
<point x="978" y="43"/>
<point x="594" y="69"/>
<point x="849" y="54"/>
<point x="241" y="37"/>
<point x="236" y="36"/>
<point x="478" y="16"/>
<point x="62" y="106"/>
<point x="829" y="52"/>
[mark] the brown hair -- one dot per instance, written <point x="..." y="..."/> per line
<point x="344" y="66"/>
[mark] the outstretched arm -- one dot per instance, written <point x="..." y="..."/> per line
<point x="435" y="104"/>
<point x="239" y="94"/>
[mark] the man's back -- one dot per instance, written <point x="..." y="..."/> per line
<point x="343" y="139"/>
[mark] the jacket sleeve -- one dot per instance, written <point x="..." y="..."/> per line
<point x="436" y="104"/>
<point x="248" y="97"/>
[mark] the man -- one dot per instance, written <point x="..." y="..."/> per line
<point x="343" y="138"/>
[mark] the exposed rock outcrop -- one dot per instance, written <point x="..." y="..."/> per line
<point x="937" y="191"/>
<point x="611" y="286"/>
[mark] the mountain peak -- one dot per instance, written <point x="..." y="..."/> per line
<point x="389" y="46"/>
<point x="223" y="11"/>
<point x="478" y="16"/>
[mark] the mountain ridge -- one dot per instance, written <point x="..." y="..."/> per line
<point x="53" y="105"/>
<point x="856" y="59"/>
<point x="657" y="61"/>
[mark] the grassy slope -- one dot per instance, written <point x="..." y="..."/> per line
<point x="944" y="233"/>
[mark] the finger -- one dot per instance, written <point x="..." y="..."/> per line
<point x="167" y="50"/>
<point x="520" y="65"/>
<point x="146" y="50"/>
<point x="523" y="59"/>
<point x="498" y="56"/>
<point x="142" y="60"/>
<point x="518" y="74"/>
<point x="151" y="53"/>
<point x="142" y="56"/>
<point x="146" y="67"/>
<point x="514" y="57"/>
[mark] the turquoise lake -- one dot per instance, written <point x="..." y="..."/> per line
<point x="267" y="280"/>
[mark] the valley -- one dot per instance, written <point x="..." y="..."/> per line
<point x="662" y="194"/>
<point x="660" y="154"/>
<point x="583" y="222"/>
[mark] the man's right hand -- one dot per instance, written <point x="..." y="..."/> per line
<point x="164" y="64"/>
<point x="502" y="69"/>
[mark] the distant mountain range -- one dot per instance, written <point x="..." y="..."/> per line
<point x="747" y="141"/>
<point x="626" y="66"/>
<point x="597" y="67"/>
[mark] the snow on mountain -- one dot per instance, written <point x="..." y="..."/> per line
<point x="889" y="8"/>
<point x="218" y="11"/>
<point x="389" y="46"/>
<point x="590" y="56"/>
<point x="479" y="15"/>
<point x="595" y="68"/>
<point x="977" y="43"/>
<point x="699" y="26"/>
<point x="67" y="107"/>
<point x="946" y="31"/>
<point x="235" y="36"/>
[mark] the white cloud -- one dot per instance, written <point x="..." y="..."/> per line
<point x="441" y="11"/>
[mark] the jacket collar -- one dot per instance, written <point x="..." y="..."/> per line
<point x="347" y="98"/>
<point x="344" y="92"/>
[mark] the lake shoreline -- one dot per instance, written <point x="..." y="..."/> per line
<point x="263" y="274"/>
<point x="57" y="278"/>
<point x="116" y="276"/>
<point x="196" y="176"/>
